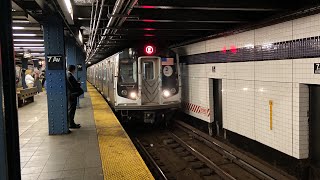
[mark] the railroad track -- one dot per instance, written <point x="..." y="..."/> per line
<point x="187" y="153"/>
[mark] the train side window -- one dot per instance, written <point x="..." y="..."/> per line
<point x="148" y="70"/>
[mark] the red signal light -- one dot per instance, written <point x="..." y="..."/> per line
<point x="149" y="49"/>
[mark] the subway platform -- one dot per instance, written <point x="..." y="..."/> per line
<point x="100" y="149"/>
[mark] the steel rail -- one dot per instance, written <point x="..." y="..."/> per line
<point x="261" y="170"/>
<point x="223" y="174"/>
<point x="154" y="164"/>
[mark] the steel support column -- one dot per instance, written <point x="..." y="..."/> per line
<point x="71" y="48"/>
<point x="82" y="74"/>
<point x="23" y="73"/>
<point x="9" y="127"/>
<point x="55" y="75"/>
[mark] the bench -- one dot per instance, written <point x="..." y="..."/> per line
<point x="26" y="95"/>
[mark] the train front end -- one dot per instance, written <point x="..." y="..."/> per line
<point x="148" y="85"/>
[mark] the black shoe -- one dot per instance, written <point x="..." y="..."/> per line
<point x="75" y="126"/>
<point x="69" y="132"/>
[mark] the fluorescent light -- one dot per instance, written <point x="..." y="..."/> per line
<point x="28" y="45"/>
<point x="69" y="7"/>
<point x="30" y="40"/>
<point x="24" y="35"/>
<point x="80" y="37"/>
<point x="15" y="27"/>
<point x="17" y="47"/>
<point x="20" y="21"/>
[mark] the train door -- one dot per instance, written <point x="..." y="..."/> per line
<point x="105" y="81"/>
<point x="149" y="79"/>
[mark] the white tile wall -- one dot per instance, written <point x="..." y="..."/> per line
<point x="240" y="107"/>
<point x="274" y="33"/>
<point x="306" y="27"/>
<point x="240" y="70"/>
<point x="220" y="71"/>
<point x="278" y="71"/>
<point x="248" y="86"/>
<point x="245" y="39"/>
<point x="215" y="44"/>
<point x="303" y="71"/>
<point x="280" y="137"/>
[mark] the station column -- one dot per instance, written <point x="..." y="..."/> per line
<point x="55" y="75"/>
<point x="9" y="127"/>
<point x="81" y="67"/>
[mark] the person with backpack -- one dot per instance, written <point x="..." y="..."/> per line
<point x="74" y="91"/>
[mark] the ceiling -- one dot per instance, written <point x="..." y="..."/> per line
<point x="163" y="22"/>
<point x="27" y="34"/>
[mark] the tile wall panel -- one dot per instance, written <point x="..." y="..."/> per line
<point x="274" y="33"/>
<point x="280" y="137"/>
<point x="240" y="107"/>
<point x="306" y="27"/>
<point x="243" y="71"/>
<point x="303" y="71"/>
<point x="216" y="70"/>
<point x="277" y="71"/>
<point x="215" y="44"/>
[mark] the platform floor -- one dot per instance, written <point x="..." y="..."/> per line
<point x="73" y="156"/>
<point x="120" y="158"/>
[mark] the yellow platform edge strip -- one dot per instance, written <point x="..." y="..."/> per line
<point x="120" y="159"/>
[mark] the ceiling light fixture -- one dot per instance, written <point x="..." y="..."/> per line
<point x="69" y="7"/>
<point x="18" y="47"/>
<point x="30" y="40"/>
<point x="28" y="44"/>
<point x="20" y="21"/>
<point x="24" y="35"/>
<point x="15" y="27"/>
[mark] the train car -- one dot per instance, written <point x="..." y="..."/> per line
<point x="140" y="85"/>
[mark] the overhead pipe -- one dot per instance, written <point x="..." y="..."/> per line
<point x="91" y="19"/>
<point x="94" y="24"/>
<point x="117" y="8"/>
<point x="97" y="25"/>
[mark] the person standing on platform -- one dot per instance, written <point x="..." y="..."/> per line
<point x="74" y="91"/>
<point x="37" y="82"/>
<point x="29" y="79"/>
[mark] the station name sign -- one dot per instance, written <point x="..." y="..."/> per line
<point x="55" y="62"/>
<point x="316" y="68"/>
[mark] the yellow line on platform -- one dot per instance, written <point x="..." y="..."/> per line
<point x="120" y="159"/>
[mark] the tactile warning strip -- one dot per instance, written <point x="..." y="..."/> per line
<point x="120" y="159"/>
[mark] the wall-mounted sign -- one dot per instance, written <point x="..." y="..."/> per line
<point x="316" y="68"/>
<point x="79" y="67"/>
<point x="213" y="69"/>
<point x="55" y="62"/>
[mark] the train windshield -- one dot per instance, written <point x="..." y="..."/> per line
<point x="127" y="71"/>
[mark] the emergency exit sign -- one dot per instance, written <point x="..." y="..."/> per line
<point x="316" y="68"/>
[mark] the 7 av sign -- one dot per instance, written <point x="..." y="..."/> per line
<point x="55" y="62"/>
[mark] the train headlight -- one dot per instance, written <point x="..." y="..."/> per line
<point x="166" y="93"/>
<point x="133" y="95"/>
<point x="124" y="92"/>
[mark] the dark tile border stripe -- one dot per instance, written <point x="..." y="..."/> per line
<point x="295" y="49"/>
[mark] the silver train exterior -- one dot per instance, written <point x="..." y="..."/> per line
<point x="140" y="87"/>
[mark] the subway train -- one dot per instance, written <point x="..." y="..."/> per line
<point x="139" y="84"/>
